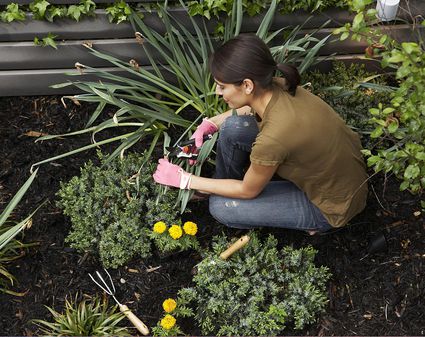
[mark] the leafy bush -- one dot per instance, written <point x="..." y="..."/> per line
<point x="342" y="89"/>
<point x="399" y="124"/>
<point x="260" y="290"/>
<point x="253" y="7"/>
<point x="112" y="208"/>
<point x="86" y="318"/>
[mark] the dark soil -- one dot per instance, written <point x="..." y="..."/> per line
<point x="382" y="293"/>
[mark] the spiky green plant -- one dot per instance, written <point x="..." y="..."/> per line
<point x="10" y="247"/>
<point x="85" y="318"/>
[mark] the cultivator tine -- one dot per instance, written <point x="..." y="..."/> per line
<point x="110" y="279"/>
<point x="123" y="308"/>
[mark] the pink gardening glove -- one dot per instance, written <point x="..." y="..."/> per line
<point x="205" y="128"/>
<point x="171" y="175"/>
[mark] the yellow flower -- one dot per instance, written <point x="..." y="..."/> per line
<point x="169" y="305"/>
<point x="168" y="322"/>
<point x="159" y="227"/>
<point x="175" y="232"/>
<point x="190" y="228"/>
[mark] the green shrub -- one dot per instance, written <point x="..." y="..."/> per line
<point x="399" y="124"/>
<point x="86" y="318"/>
<point x="260" y="290"/>
<point x="112" y="208"/>
<point x="341" y="90"/>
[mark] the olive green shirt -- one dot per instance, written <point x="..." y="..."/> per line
<point x="315" y="150"/>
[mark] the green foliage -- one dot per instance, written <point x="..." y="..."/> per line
<point x="350" y="91"/>
<point x="39" y="9"/>
<point x="260" y="290"/>
<point x="10" y="248"/>
<point x="85" y="7"/>
<point x="86" y="318"/>
<point x="399" y="124"/>
<point x="215" y="8"/>
<point x="43" y="10"/>
<point x="12" y="13"/>
<point x="48" y="41"/>
<point x="108" y="207"/>
<point x="119" y="12"/>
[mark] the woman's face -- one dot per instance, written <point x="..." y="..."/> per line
<point x="234" y="95"/>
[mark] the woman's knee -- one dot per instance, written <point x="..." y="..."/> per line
<point x="236" y="128"/>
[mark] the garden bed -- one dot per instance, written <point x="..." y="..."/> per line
<point x="378" y="294"/>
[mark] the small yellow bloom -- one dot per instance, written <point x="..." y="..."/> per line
<point x="190" y="228"/>
<point x="175" y="231"/>
<point x="169" y="305"/>
<point x="159" y="227"/>
<point x="168" y="322"/>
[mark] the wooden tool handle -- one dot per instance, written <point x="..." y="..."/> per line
<point x="235" y="247"/>
<point x="135" y="320"/>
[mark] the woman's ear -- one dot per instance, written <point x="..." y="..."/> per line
<point x="248" y="86"/>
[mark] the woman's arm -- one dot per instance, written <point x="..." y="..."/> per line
<point x="219" y="119"/>
<point x="253" y="183"/>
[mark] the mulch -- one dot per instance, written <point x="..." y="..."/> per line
<point x="377" y="262"/>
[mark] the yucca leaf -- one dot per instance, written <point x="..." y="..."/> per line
<point x="17" y="197"/>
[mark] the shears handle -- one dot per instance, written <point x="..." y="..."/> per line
<point x="192" y="141"/>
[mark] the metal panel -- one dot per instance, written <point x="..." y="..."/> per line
<point x="37" y="82"/>
<point x="24" y="55"/>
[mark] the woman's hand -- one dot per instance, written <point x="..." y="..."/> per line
<point x="171" y="175"/>
<point x="207" y="127"/>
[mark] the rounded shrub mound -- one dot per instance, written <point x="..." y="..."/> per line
<point x="113" y="206"/>
<point x="260" y="290"/>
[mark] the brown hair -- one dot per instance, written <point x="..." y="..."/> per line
<point x="247" y="56"/>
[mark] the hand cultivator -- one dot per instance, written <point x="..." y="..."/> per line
<point x="240" y="243"/>
<point x="110" y="290"/>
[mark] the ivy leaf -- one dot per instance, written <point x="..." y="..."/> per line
<point x="54" y="12"/>
<point x="39" y="7"/>
<point x="49" y="40"/>
<point x="74" y="12"/>
<point x="12" y="13"/>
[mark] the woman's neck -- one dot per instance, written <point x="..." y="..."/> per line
<point x="260" y="101"/>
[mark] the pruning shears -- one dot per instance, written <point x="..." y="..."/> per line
<point x="185" y="149"/>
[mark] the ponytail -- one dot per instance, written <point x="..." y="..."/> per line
<point x="292" y="76"/>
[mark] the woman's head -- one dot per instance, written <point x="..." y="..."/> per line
<point x="248" y="57"/>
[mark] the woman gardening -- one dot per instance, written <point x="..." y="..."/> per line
<point x="279" y="130"/>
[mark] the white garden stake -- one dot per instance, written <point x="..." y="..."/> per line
<point x="110" y="290"/>
<point x="387" y="9"/>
